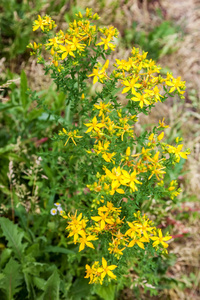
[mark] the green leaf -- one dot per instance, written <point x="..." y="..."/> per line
<point x="29" y="285"/>
<point x="7" y="107"/>
<point x="23" y="90"/>
<point x="80" y="289"/>
<point x="58" y="250"/>
<point x="34" y="114"/>
<point x="51" y="287"/>
<point x="12" y="279"/>
<point x="5" y="256"/>
<point x="13" y="235"/>
<point x="105" y="292"/>
<point x="35" y="268"/>
<point x="7" y="149"/>
<point x="39" y="283"/>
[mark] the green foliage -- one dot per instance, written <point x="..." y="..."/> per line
<point x="11" y="279"/>
<point x="160" y="41"/>
<point x="106" y="292"/>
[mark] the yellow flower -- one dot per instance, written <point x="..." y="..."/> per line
<point x="106" y="270"/>
<point x="108" y="156"/>
<point x="142" y="98"/>
<point x="130" y="179"/>
<point x="65" y="50"/>
<point x="131" y="85"/>
<point x="101" y="74"/>
<point x="138" y="241"/>
<point x="143" y="228"/>
<point x="54" y="42"/>
<point x="86" y="241"/>
<point x="162" y="124"/>
<point x="75" y="44"/>
<point x="71" y="135"/>
<point x="89" y="273"/>
<point x="75" y="231"/>
<point x="102" y="108"/>
<point x="132" y="230"/>
<point x="160" y="239"/>
<point x="38" y="23"/>
<point x="155" y="93"/>
<point x="103" y="219"/>
<point x="115" y="188"/>
<point x="161" y="136"/>
<point x="177" y="152"/>
<point x="176" y="83"/>
<point x="156" y="169"/>
<point x="106" y="43"/>
<point x="94" y="125"/>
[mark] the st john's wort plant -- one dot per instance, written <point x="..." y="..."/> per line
<point x="110" y="170"/>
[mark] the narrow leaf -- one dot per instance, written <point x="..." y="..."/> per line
<point x="52" y="287"/>
<point x="23" y="90"/>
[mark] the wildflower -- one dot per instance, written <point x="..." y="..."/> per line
<point x="53" y="211"/>
<point x="156" y="169"/>
<point x="162" y="124"/>
<point x="94" y="125"/>
<point x="86" y="241"/>
<point x="144" y="228"/>
<point x="76" y="226"/>
<point x="115" y="188"/>
<point x="108" y="156"/>
<point x="172" y="189"/>
<point x="142" y="98"/>
<point x="131" y="85"/>
<point x="38" y="23"/>
<point x="75" y="44"/>
<point x="161" y="136"/>
<point x="160" y="239"/>
<point x="103" y="219"/>
<point x="89" y="273"/>
<point x="106" y="270"/>
<point x="65" y="50"/>
<point x="61" y="211"/>
<point x="106" y="43"/>
<point x="177" y="152"/>
<point x="102" y="108"/>
<point x="114" y="249"/>
<point x="138" y="241"/>
<point x="99" y="74"/>
<point x="130" y="179"/>
<point x="54" y="42"/>
<point x="176" y="83"/>
<point x="132" y="230"/>
<point x="71" y="135"/>
<point x="155" y="94"/>
<point x="116" y="173"/>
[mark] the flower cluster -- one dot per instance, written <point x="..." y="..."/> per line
<point x="79" y="36"/>
<point x="45" y="23"/>
<point x="57" y="210"/>
<point x="96" y="273"/>
<point x="108" y="222"/>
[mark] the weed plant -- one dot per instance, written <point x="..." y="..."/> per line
<point x="94" y="172"/>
